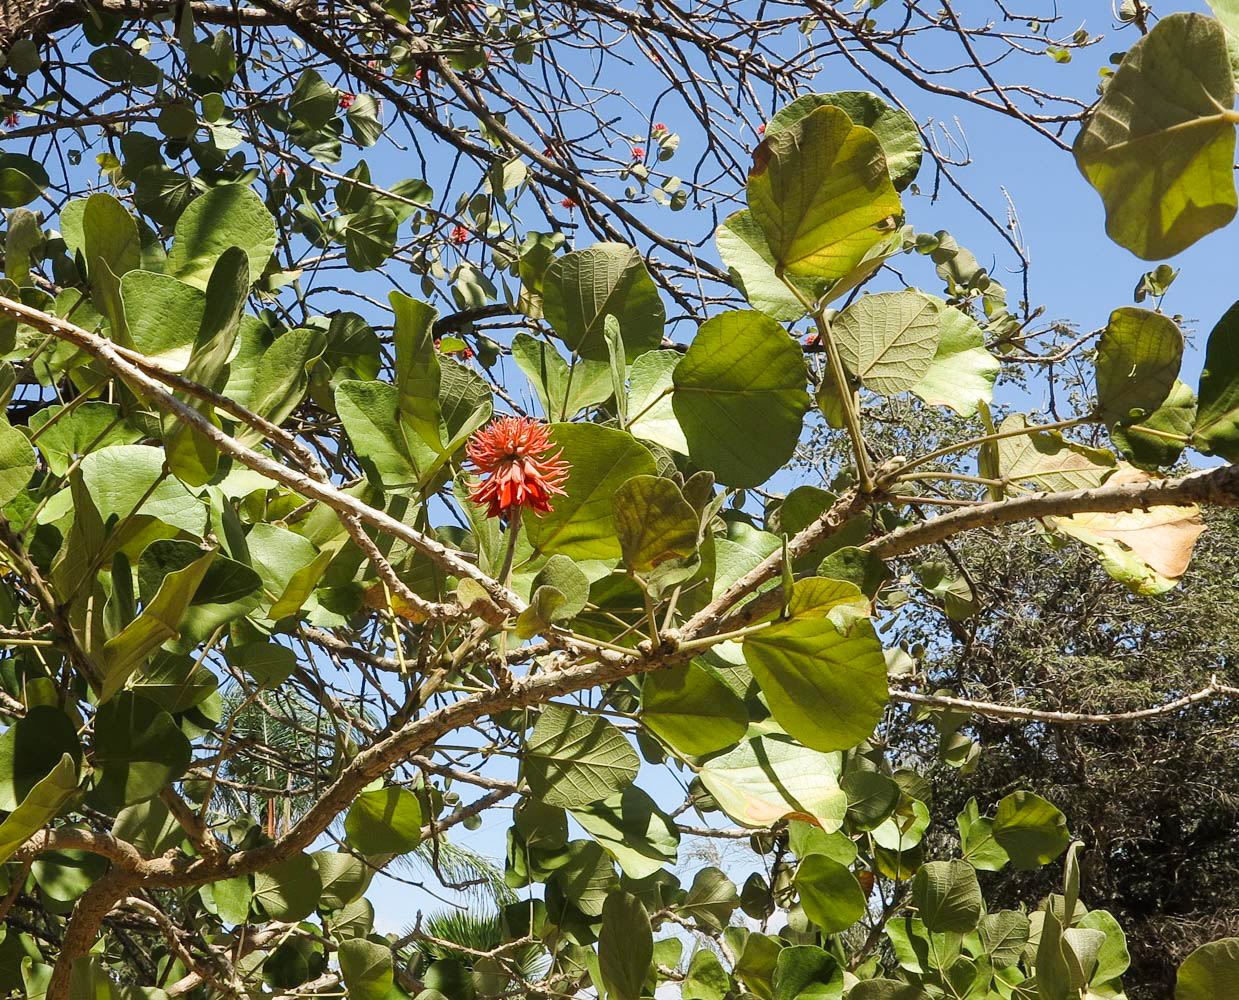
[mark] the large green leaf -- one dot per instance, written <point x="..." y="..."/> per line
<point x="163" y="314"/>
<point x="21" y="179"/>
<point x="17" y="462"/>
<point x="1160" y="145"/>
<point x="384" y="821"/>
<point x="634" y="831"/>
<point x="281" y="378"/>
<point x="895" y="129"/>
<point x="1211" y="972"/>
<point x="159" y="621"/>
<point x="625" y="946"/>
<point x="823" y="675"/>
<point x="1031" y="830"/>
<point x="829" y="893"/>
<point x="112" y="248"/>
<point x="573" y="759"/>
<point x="290" y="889"/>
<point x="366" y="969"/>
<point x="820" y="192"/>
<point x="711" y="899"/>
<point x="889" y="340"/>
<point x="947" y="896"/>
<point x="344" y="877"/>
<point x="692" y="709"/>
<point x="806" y="971"/>
<point x="581" y="524"/>
<point x="226" y="216"/>
<point x="31" y="748"/>
<point x="962" y="372"/>
<point x="1217" y="416"/>
<point x="583" y="287"/>
<point x="769" y="778"/>
<point x="418" y="372"/>
<point x="39" y="806"/>
<point x="651" y="414"/>
<point x="740" y="397"/>
<point x="369" y="412"/>
<point x="1138" y="362"/>
<point x="653" y="521"/>
<point x="139" y="750"/>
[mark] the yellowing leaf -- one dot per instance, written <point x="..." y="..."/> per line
<point x="1148" y="550"/>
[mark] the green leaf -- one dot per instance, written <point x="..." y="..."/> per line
<point x="1113" y="958"/>
<point x="587" y="877"/>
<point x="21" y="178"/>
<point x="1032" y="831"/>
<point x="768" y="778"/>
<point x="711" y="899"/>
<point x="740" y="397"/>
<point x="559" y="593"/>
<point x="564" y="392"/>
<point x="976" y="836"/>
<point x="653" y="521"/>
<point x="820" y="192"/>
<point x="1176" y="417"/>
<point x="150" y="827"/>
<point x="573" y="759"/>
<point x="363" y="120"/>
<point x="1049" y="459"/>
<point x="138" y="751"/>
<point x="746" y="254"/>
<point x="344" y="878"/>
<point x="692" y="709"/>
<point x="289" y="890"/>
<point x="17" y="462"/>
<point x="895" y="129"/>
<point x="1160" y="145"/>
<point x="282" y="377"/>
<point x="871" y="798"/>
<point x="809" y="972"/>
<point x="886" y="989"/>
<point x="824" y="676"/>
<point x="31" y="748"/>
<point x="38" y="807"/>
<point x="370" y="415"/>
<point x="159" y="621"/>
<point x="226" y="216"/>
<point x="1217" y="418"/>
<point x="164" y="315"/>
<point x="633" y="830"/>
<point x="419" y="376"/>
<point x="947" y="896"/>
<point x="1210" y="972"/>
<point x="706" y="979"/>
<point x="370" y="236"/>
<point x="1137" y="364"/>
<point x="962" y="372"/>
<point x="112" y="248"/>
<point x="651" y="414"/>
<point x="889" y="340"/>
<point x="581" y="524"/>
<point x="366" y="969"/>
<point x="829" y="893"/>
<point x="384" y="821"/>
<point x="625" y="946"/>
<point x="313" y="101"/>
<point x="583" y="287"/>
<point x="1003" y="936"/>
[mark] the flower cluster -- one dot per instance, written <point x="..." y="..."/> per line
<point x="513" y="454"/>
<point x="568" y="203"/>
<point x="11" y="120"/>
<point x="459" y="235"/>
<point x="638" y="152"/>
<point x="659" y="129"/>
<point x="347" y="101"/>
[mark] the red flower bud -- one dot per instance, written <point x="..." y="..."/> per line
<point x="346" y="100"/>
<point x="638" y="152"/>
<point x="11" y="120"/>
<point x="810" y="340"/>
<point x="761" y="129"/>
<point x="459" y="235"/>
<point x="568" y="203"/>
<point x="659" y="128"/>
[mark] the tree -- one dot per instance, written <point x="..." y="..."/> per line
<point x="302" y="572"/>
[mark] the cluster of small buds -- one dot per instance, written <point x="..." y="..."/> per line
<point x="568" y="203"/>
<point x="810" y="340"/>
<point x="418" y="74"/>
<point x="11" y="120"/>
<point x="346" y="100"/>
<point x="372" y="64"/>
<point x="658" y="129"/>
<point x="638" y="152"/>
<point x="459" y="235"/>
<point x="761" y="129"/>
<point x="548" y="152"/>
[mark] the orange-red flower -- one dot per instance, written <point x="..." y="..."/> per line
<point x="512" y="453"/>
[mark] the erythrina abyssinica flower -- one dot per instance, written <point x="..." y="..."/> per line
<point x="638" y="152"/>
<point x="513" y="454"/>
<point x="347" y="100"/>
